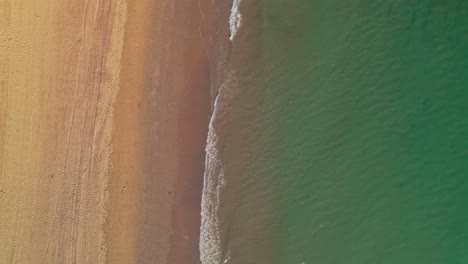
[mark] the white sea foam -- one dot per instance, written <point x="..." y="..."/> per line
<point x="235" y="19"/>
<point x="211" y="251"/>
<point x="210" y="240"/>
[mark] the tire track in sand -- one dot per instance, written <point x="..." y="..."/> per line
<point x="58" y="82"/>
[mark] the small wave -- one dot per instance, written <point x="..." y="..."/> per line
<point x="235" y="19"/>
<point x="210" y="234"/>
<point x="211" y="251"/>
<point x="210" y="240"/>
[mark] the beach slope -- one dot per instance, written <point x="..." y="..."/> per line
<point x="104" y="109"/>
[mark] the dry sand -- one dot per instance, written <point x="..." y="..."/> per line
<point x="104" y="109"/>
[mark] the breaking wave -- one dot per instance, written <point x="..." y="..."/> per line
<point x="211" y="251"/>
<point x="235" y="19"/>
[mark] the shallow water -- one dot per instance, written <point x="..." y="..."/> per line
<point x="342" y="134"/>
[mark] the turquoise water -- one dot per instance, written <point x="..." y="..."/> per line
<point x="346" y="139"/>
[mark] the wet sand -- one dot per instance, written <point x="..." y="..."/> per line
<point x="104" y="109"/>
<point x="162" y="117"/>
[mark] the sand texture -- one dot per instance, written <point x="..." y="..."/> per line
<point x="104" y="109"/>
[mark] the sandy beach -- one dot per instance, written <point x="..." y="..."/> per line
<point x="162" y="114"/>
<point x="104" y="109"/>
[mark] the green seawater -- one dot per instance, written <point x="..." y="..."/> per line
<point x="348" y="140"/>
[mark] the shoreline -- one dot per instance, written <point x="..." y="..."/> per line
<point x="211" y="239"/>
<point x="104" y="111"/>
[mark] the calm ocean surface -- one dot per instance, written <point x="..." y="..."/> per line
<point x="341" y="135"/>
